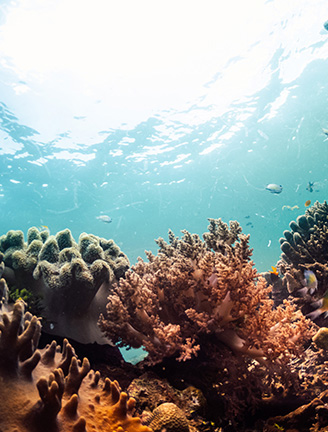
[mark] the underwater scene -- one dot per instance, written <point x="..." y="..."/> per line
<point x="163" y="215"/>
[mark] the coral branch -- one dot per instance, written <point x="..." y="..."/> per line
<point x="18" y="339"/>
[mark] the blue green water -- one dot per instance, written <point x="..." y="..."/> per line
<point x="183" y="112"/>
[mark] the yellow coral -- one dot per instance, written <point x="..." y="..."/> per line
<point x="168" y="417"/>
<point x="321" y="338"/>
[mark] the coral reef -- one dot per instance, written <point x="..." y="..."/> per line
<point x="151" y="392"/>
<point x="221" y="356"/>
<point x="305" y="249"/>
<point x="64" y="281"/>
<point x="195" y="290"/>
<point x="51" y="390"/>
<point x="310" y="412"/>
<point x="310" y="417"/>
<point x="301" y="408"/>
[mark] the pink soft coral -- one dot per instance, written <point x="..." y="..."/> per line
<point x="194" y="288"/>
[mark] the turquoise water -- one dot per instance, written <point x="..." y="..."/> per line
<point x="161" y="115"/>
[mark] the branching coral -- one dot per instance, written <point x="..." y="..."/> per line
<point x="196" y="288"/>
<point x="51" y="390"/>
<point x="67" y="282"/>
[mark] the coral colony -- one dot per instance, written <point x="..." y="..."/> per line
<point x="64" y="281"/>
<point x="50" y="390"/>
<point x="304" y="262"/>
<point x="194" y="288"/>
<point x="225" y="351"/>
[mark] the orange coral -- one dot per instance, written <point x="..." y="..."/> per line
<point x="194" y="288"/>
<point x="51" y="390"/>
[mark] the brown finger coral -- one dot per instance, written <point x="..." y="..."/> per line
<point x="305" y="250"/>
<point x="51" y="390"/>
<point x="195" y="289"/>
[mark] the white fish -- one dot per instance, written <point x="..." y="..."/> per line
<point x="274" y="188"/>
<point x="105" y="218"/>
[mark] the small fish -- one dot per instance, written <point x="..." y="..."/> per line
<point x="325" y="131"/>
<point x="309" y="187"/>
<point x="43" y="228"/>
<point x="289" y="207"/>
<point x="274" y="188"/>
<point x="310" y="280"/>
<point x="325" y="24"/>
<point x="322" y="308"/>
<point x="307" y="203"/>
<point x="105" y="218"/>
<point x="278" y="427"/>
<point x="274" y="271"/>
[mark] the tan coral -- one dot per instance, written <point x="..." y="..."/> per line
<point x="321" y="338"/>
<point x="67" y="281"/>
<point x="168" y="417"/>
<point x="51" y="390"/>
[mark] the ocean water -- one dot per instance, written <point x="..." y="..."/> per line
<point x="161" y="115"/>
